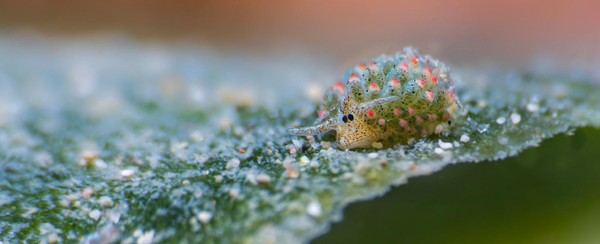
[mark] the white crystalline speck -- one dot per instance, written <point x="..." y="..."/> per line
<point x="127" y="173"/>
<point x="482" y="128"/>
<point x="465" y="138"/>
<point x="438" y="150"/>
<point x="314" y="209"/>
<point x="95" y="214"/>
<point x="146" y="238"/>
<point x="263" y="179"/>
<point x="515" y="118"/>
<point x="197" y="136"/>
<point x="205" y="216"/>
<point x="53" y="238"/>
<point x="87" y="192"/>
<point x="500" y="120"/>
<point x="533" y="107"/>
<point x="200" y="158"/>
<point x="64" y="203"/>
<point x="232" y="163"/>
<point x="444" y="145"/>
<point x="372" y="155"/>
<point x="106" y="201"/>
<point x="297" y="144"/>
<point x="100" y="164"/>
<point x="303" y="161"/>
<point x="234" y="193"/>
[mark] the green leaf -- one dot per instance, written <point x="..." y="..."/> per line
<point x="114" y="141"/>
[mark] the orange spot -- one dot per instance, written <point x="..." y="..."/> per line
<point x="432" y="116"/>
<point x="242" y="150"/>
<point x="353" y="78"/>
<point x="339" y="87"/>
<point x="362" y="67"/>
<point x="397" y="112"/>
<point x="403" y="66"/>
<point x="430" y="96"/>
<point x="374" y="86"/>
<point x="428" y="72"/>
<point x="411" y="111"/>
<point x="403" y="123"/>
<point x="419" y="120"/>
<point x="415" y="62"/>
<point x="322" y="113"/>
<point x="429" y="75"/>
<point x="381" y="121"/>
<point x="394" y="83"/>
<point x="421" y="83"/>
<point x="371" y="113"/>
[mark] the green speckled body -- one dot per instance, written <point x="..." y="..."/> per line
<point x="391" y="99"/>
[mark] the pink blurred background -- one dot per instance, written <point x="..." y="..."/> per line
<point x="510" y="32"/>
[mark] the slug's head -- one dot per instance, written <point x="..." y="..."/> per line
<point x="352" y="131"/>
<point x="349" y="124"/>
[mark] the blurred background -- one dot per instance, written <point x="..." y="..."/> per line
<point x="463" y="33"/>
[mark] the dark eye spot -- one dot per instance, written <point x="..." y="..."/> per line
<point x="350" y="117"/>
<point x="449" y="122"/>
<point x="345" y="119"/>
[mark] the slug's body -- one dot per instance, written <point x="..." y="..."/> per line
<point x="392" y="99"/>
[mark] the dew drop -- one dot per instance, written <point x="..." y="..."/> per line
<point x="482" y="128"/>
<point x="314" y="209"/>
<point x="515" y="118"/>
<point x="533" y="107"/>
<point x="500" y="120"/>
<point x="465" y="138"/>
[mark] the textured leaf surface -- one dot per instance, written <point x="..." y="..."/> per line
<point x="118" y="140"/>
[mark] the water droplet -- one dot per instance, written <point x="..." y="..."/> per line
<point x="482" y="128"/>
<point x="533" y="107"/>
<point x="95" y="214"/>
<point x="372" y="155"/>
<point x="314" y="209"/>
<point x="444" y="145"/>
<point x="303" y="161"/>
<point x="263" y="179"/>
<point x="232" y="163"/>
<point x="500" y="120"/>
<point x="204" y="217"/>
<point x="127" y="173"/>
<point x="515" y="118"/>
<point x="465" y="138"/>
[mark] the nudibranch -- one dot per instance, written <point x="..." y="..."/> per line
<point x="389" y="100"/>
